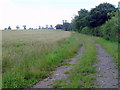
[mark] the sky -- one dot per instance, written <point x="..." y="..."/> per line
<point x="34" y="13"/>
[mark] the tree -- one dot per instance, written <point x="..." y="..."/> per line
<point x="43" y="27"/>
<point x="51" y="27"/>
<point x="75" y="23"/>
<point x="99" y="15"/>
<point x="39" y="27"/>
<point x="17" y="27"/>
<point x="110" y="30"/>
<point x="80" y="21"/>
<point x="24" y="27"/>
<point x="30" y="28"/>
<point x="46" y="26"/>
<point x="82" y="13"/>
<point x="66" y="26"/>
<point x="9" y="28"/>
<point x="5" y="28"/>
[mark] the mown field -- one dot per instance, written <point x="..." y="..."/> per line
<point x="30" y="55"/>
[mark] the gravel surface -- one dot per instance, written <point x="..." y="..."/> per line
<point x="107" y="73"/>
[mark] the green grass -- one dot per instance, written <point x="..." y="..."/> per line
<point x="28" y="60"/>
<point x="83" y="74"/>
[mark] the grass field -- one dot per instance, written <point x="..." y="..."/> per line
<point x="29" y="56"/>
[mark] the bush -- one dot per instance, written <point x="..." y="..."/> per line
<point x="110" y="29"/>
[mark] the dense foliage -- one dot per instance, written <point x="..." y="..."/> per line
<point x="80" y="21"/>
<point x="100" y="14"/>
<point x="100" y="21"/>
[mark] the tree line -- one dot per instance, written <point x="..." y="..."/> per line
<point x="65" y="26"/>
<point x="25" y="27"/>
<point x="100" y="21"/>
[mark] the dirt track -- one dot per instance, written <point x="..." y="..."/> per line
<point x="107" y="76"/>
<point x="107" y="73"/>
<point x="59" y="72"/>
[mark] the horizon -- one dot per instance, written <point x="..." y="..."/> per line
<point x="34" y="13"/>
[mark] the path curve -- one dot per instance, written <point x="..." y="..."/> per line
<point x="59" y="72"/>
<point x="108" y="74"/>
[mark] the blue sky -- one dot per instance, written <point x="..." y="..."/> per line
<point x="42" y="12"/>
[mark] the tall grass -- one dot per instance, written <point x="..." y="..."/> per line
<point x="30" y="59"/>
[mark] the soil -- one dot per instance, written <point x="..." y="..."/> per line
<point x="107" y="73"/>
<point x="59" y="72"/>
